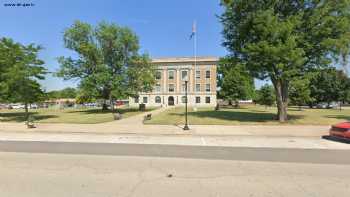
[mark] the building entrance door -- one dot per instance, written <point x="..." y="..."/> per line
<point x="170" y="100"/>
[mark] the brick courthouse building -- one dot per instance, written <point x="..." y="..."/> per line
<point x="171" y="75"/>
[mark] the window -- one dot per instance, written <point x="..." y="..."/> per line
<point x="198" y="87"/>
<point x="207" y="87"/>
<point x="171" y="74"/>
<point x="198" y="74"/>
<point x="183" y="89"/>
<point x="184" y="75"/>
<point x="171" y="88"/>
<point x="136" y="99"/>
<point x="145" y="99"/>
<point x="207" y="99"/>
<point x="183" y="99"/>
<point x="198" y="99"/>
<point x="158" y="75"/>
<point x="157" y="87"/>
<point x="207" y="74"/>
<point x="158" y="99"/>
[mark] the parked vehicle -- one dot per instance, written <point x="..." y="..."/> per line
<point x="17" y="106"/>
<point x="90" y="104"/>
<point x="341" y="130"/>
<point x="321" y="106"/>
<point x="33" y="106"/>
<point x="4" y="106"/>
<point x="331" y="105"/>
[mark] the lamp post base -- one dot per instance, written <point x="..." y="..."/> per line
<point x="186" y="127"/>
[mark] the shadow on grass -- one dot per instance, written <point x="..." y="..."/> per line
<point x="20" y="116"/>
<point x="233" y="107"/>
<point x="238" y="116"/>
<point x="258" y="111"/>
<point x="100" y="111"/>
<point x="344" y="117"/>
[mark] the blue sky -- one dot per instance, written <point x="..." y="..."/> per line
<point x="163" y="26"/>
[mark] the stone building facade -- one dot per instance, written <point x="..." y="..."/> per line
<point x="171" y="75"/>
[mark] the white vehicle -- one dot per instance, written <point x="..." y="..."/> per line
<point x="33" y="106"/>
<point x="17" y="106"/>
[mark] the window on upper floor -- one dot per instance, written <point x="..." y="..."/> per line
<point x="183" y="87"/>
<point x="198" y="87"/>
<point x="198" y="74"/>
<point x="207" y="74"/>
<point x="207" y="87"/>
<point x="184" y="75"/>
<point x="158" y="74"/>
<point x="158" y="87"/>
<point x="171" y="88"/>
<point x="171" y="74"/>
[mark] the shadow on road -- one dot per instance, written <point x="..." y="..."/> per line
<point x="336" y="139"/>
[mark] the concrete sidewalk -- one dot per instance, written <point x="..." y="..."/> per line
<point x="224" y="141"/>
<point x="139" y="128"/>
<point x="136" y="128"/>
<point x="274" y="130"/>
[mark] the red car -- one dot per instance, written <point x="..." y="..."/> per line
<point x="341" y="130"/>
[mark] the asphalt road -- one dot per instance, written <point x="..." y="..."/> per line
<point x="192" y="152"/>
<point x="35" y="169"/>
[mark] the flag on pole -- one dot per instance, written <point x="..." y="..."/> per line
<point x="193" y="30"/>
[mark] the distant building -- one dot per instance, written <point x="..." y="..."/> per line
<point x="171" y="75"/>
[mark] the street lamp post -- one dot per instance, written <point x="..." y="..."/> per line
<point x="186" y="123"/>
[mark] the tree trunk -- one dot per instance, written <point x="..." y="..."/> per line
<point x="281" y="88"/>
<point x="236" y="104"/>
<point x="112" y="104"/>
<point x="104" y="105"/>
<point x="26" y="111"/>
<point x="311" y="105"/>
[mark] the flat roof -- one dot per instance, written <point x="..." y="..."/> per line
<point x="185" y="59"/>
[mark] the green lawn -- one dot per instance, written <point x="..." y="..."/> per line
<point x="77" y="116"/>
<point x="252" y="115"/>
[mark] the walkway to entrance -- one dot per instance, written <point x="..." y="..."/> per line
<point x="170" y="100"/>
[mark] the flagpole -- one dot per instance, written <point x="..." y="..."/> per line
<point x="195" y="60"/>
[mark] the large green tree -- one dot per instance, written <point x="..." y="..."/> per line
<point x="299" y="91"/>
<point x="234" y="81"/>
<point x="64" y="93"/>
<point x="21" y="68"/>
<point x="266" y="95"/>
<point x="108" y="64"/>
<point x="329" y="85"/>
<point x="282" y="39"/>
<point x="344" y="95"/>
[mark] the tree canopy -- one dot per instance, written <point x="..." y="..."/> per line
<point x="299" y="91"/>
<point x="234" y="81"/>
<point x="281" y="40"/>
<point x="328" y="85"/>
<point x="20" y="69"/>
<point x="108" y="65"/>
<point x="266" y="95"/>
<point x="64" y="93"/>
